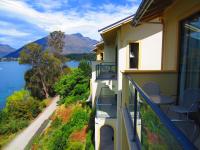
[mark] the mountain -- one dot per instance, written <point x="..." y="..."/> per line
<point x="5" y="50"/>
<point x="74" y="44"/>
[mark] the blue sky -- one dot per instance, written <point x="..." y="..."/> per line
<point x="23" y="21"/>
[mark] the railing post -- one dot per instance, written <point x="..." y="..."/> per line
<point x="135" y="117"/>
<point x="96" y="71"/>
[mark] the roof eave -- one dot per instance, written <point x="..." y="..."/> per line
<point x="145" y="4"/>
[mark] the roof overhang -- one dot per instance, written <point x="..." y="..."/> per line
<point x="109" y="33"/>
<point x="116" y="24"/>
<point x="150" y="9"/>
<point x="98" y="46"/>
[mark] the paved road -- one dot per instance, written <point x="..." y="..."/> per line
<point x="24" y="138"/>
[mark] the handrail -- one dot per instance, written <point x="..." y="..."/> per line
<point x="104" y="70"/>
<point x="178" y="135"/>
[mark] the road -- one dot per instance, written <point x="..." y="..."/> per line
<point x="25" y="137"/>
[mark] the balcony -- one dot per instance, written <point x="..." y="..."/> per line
<point x="106" y="71"/>
<point x="106" y="104"/>
<point x="147" y="125"/>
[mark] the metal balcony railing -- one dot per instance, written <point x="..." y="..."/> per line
<point x="106" y="104"/>
<point x="151" y="127"/>
<point x="106" y="71"/>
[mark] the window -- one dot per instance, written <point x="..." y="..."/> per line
<point x="101" y="56"/>
<point x="134" y="50"/>
<point x="189" y="65"/>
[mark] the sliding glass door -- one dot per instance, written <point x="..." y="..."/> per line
<point x="189" y="69"/>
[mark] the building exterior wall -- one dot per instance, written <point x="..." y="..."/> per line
<point x="150" y="41"/>
<point x="171" y="17"/>
<point x="100" y="123"/>
<point x="158" y="51"/>
<point x="150" y="55"/>
<point x="109" y="52"/>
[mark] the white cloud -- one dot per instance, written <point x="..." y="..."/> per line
<point x="8" y="29"/>
<point x="70" y="21"/>
<point x="13" y="32"/>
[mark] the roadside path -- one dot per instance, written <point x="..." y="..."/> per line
<point x="24" y="138"/>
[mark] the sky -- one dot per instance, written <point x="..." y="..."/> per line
<point x="24" y="21"/>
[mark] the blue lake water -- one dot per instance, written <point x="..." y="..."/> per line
<point x="73" y="64"/>
<point x="12" y="78"/>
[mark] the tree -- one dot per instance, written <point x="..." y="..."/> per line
<point x="56" y="41"/>
<point x="44" y="72"/>
<point x="86" y="68"/>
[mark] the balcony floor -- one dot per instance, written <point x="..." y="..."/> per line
<point x="107" y="107"/>
<point x="189" y="128"/>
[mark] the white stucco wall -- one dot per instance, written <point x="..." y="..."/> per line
<point x="149" y="37"/>
<point x="109" y="52"/>
<point x="151" y="52"/>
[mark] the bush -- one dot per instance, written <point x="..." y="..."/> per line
<point x="89" y="143"/>
<point x="58" y="139"/>
<point x="3" y="116"/>
<point x="75" y="146"/>
<point x="56" y="123"/>
<point x="12" y="126"/>
<point x="86" y="68"/>
<point x="22" y="105"/>
<point x="72" y="86"/>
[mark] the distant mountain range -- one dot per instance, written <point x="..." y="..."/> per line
<point x="5" y="50"/>
<point x="74" y="44"/>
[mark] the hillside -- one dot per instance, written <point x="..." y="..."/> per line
<point x="74" y="43"/>
<point x="5" y="50"/>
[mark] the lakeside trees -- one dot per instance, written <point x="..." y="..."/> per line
<point x="46" y="65"/>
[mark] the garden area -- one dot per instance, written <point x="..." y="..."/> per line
<point x="72" y="124"/>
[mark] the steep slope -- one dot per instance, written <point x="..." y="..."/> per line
<point x="74" y="43"/>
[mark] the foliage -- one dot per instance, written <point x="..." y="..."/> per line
<point x="56" y="41"/>
<point x="85" y="67"/>
<point x="79" y="57"/>
<point x="20" y="109"/>
<point x="56" y="123"/>
<point x="72" y="87"/>
<point x="22" y="105"/>
<point x="89" y="143"/>
<point x="12" y="126"/>
<point x="46" y="68"/>
<point x="76" y="146"/>
<point x="57" y="138"/>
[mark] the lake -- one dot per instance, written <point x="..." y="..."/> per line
<point x="12" y="78"/>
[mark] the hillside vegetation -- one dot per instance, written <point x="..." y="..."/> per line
<point x="71" y="125"/>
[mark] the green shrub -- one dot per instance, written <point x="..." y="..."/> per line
<point x="3" y="116"/>
<point x="56" y="123"/>
<point x="22" y="105"/>
<point x="86" y="68"/>
<point x="89" y="143"/>
<point x="12" y="126"/>
<point x="70" y="86"/>
<point x="75" y="146"/>
<point x="58" y="139"/>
